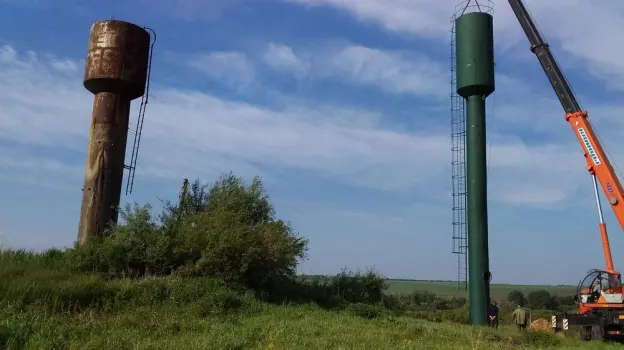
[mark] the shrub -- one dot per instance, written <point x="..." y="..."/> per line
<point x="359" y="287"/>
<point x="222" y="302"/>
<point x="566" y="300"/>
<point x="541" y="299"/>
<point x="211" y="245"/>
<point x="229" y="232"/>
<point x="422" y="298"/>
<point x="454" y="316"/>
<point x="330" y="291"/>
<point x="516" y="297"/>
<point x="449" y="303"/>
<point x="137" y="248"/>
<point x="366" y="310"/>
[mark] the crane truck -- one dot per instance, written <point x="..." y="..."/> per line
<point x="599" y="294"/>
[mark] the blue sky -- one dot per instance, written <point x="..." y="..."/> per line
<point x="341" y="106"/>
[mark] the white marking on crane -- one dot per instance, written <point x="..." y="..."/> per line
<point x="588" y="146"/>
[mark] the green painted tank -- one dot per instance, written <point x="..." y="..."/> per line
<point x="475" y="54"/>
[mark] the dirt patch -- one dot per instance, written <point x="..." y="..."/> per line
<point x="541" y="324"/>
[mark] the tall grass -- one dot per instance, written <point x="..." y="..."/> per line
<point x="45" y="304"/>
<point x="217" y="271"/>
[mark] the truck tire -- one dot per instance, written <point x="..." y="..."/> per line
<point x="586" y="333"/>
<point x="597" y="333"/>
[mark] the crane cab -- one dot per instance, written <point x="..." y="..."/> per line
<point x="600" y="301"/>
<point x="600" y="286"/>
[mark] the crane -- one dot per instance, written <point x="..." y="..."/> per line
<point x="599" y="294"/>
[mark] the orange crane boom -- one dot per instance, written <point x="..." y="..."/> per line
<point x="600" y="296"/>
<point x="598" y="165"/>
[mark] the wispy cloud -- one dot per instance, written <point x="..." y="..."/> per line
<point x="282" y="57"/>
<point x="32" y="170"/>
<point x="594" y="44"/>
<point x="425" y="17"/>
<point x="396" y="72"/>
<point x="191" y="133"/>
<point x="232" y="68"/>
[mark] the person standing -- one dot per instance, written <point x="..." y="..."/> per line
<point x="520" y="317"/>
<point x="493" y="315"/>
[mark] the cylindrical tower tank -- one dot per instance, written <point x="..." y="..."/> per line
<point x="117" y="58"/>
<point x="475" y="54"/>
<point x="475" y="81"/>
<point x="116" y="72"/>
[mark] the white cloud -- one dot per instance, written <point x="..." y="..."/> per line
<point x="233" y="68"/>
<point x="328" y="141"/>
<point x="415" y="73"/>
<point x="42" y="104"/>
<point x="414" y="16"/>
<point x="595" y="43"/>
<point x="190" y="133"/>
<point x="432" y="18"/>
<point x="17" y="166"/>
<point x="65" y="65"/>
<point x="397" y="72"/>
<point x="282" y="57"/>
<point x="551" y="173"/>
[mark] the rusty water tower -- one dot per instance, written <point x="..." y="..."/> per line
<point x="116" y="72"/>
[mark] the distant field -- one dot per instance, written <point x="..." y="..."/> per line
<point x="451" y="288"/>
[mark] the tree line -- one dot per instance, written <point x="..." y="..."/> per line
<point x="541" y="299"/>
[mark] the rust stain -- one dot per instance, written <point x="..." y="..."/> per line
<point x="117" y="58"/>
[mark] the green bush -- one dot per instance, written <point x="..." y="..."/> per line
<point x="454" y="316"/>
<point x="229" y="232"/>
<point x="330" y="291"/>
<point x="359" y="287"/>
<point x="422" y="298"/>
<point x="366" y="310"/>
<point x="218" y="240"/>
<point x="516" y="297"/>
<point x="541" y="299"/>
<point x="222" y="302"/>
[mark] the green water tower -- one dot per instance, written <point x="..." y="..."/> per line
<point x="474" y="54"/>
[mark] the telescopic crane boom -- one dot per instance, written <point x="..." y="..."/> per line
<point x="600" y="294"/>
<point x="598" y="164"/>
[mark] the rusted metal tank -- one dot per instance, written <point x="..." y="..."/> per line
<point x="116" y="72"/>
<point x="117" y="58"/>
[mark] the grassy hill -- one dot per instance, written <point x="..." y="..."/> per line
<point x="217" y="270"/>
<point x="259" y="327"/>
<point x="44" y="306"/>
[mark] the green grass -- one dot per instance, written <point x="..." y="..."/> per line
<point x="60" y="310"/>
<point x="83" y="298"/>
<point x="441" y="288"/>
<point x="43" y="305"/>
<point x="261" y="327"/>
